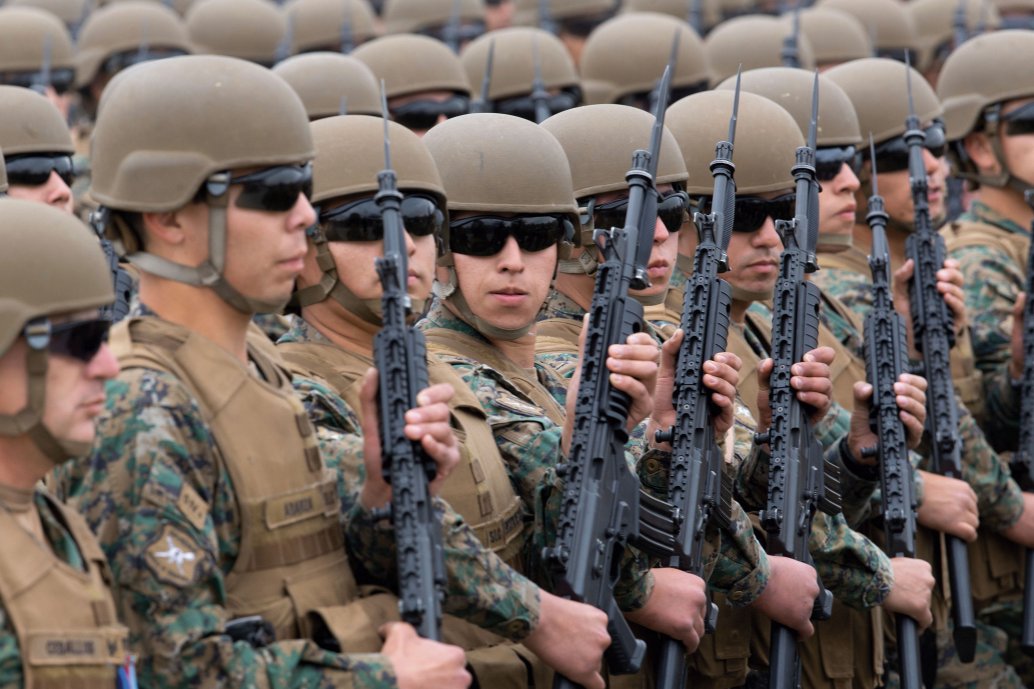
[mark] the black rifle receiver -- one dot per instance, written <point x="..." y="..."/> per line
<point x="799" y="482"/>
<point x="934" y="332"/>
<point x="886" y="358"/>
<point x="401" y="359"/>
<point x="698" y="488"/>
<point x="599" y="512"/>
<point x="1023" y="459"/>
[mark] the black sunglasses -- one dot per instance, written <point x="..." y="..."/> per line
<point x="114" y="64"/>
<point x="524" y="106"/>
<point x="466" y="31"/>
<point x="61" y="80"/>
<point x="80" y="340"/>
<point x="893" y="153"/>
<point x="750" y="212"/>
<point x="33" y="170"/>
<point x="360" y="221"/>
<point x="424" y="114"/>
<point x="644" y="100"/>
<point x="831" y="159"/>
<point x="1020" y="121"/>
<point x="274" y="189"/>
<point x="671" y="209"/>
<point x="486" y="235"/>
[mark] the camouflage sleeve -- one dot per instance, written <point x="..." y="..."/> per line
<point x="849" y="564"/>
<point x="482" y="589"/>
<point x="999" y="498"/>
<point x="170" y="564"/>
<point x="1002" y="400"/>
<point x="10" y="655"/>
<point x="854" y="289"/>
<point x="992" y="283"/>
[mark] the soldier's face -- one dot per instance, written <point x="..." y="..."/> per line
<point x="54" y="192"/>
<point x="1018" y="149"/>
<point x="837" y="203"/>
<point x="897" y="193"/>
<point x="754" y="256"/>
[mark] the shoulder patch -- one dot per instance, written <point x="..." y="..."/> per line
<point x="172" y="557"/>
<point x="512" y="403"/>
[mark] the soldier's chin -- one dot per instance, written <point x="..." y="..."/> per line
<point x="750" y="296"/>
<point x="834" y="243"/>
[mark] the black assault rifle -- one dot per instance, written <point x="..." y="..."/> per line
<point x="934" y="332"/>
<point x="1023" y="459"/>
<point x="401" y="360"/>
<point x="600" y="513"/>
<point x="886" y="358"/>
<point x="799" y="482"/>
<point x="697" y="487"/>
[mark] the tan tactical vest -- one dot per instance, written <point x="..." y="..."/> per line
<point x="480" y="488"/>
<point x="65" y="619"/>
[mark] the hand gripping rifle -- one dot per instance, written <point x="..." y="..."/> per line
<point x="799" y="482"/>
<point x="401" y="360"/>
<point x="886" y="358"/>
<point x="698" y="488"/>
<point x="1023" y="459"/>
<point x="599" y="513"/>
<point x="934" y="331"/>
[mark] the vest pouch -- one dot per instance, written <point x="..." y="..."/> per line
<point x="995" y="566"/>
<point x="327" y="584"/>
<point x="355" y="626"/>
<point x="721" y="659"/>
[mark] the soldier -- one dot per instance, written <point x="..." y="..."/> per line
<point x="36" y="47"/>
<point x="220" y="516"/>
<point x="944" y="25"/>
<point x="835" y="36"/>
<point x="38" y="148"/>
<point x="336" y="26"/>
<point x="247" y="29"/>
<point x="702" y="15"/>
<point x="888" y="22"/>
<point x="57" y="616"/>
<point x="498" y="14"/>
<point x="424" y="81"/>
<point x="572" y="21"/>
<point x="71" y="12"/>
<point x="749" y="43"/>
<point x="329" y="83"/>
<point x="453" y="22"/>
<point x="1003" y="513"/>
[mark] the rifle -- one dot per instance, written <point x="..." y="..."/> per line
<point x="886" y="356"/>
<point x="483" y="103"/>
<point x="285" y="47"/>
<point x="791" y="51"/>
<point x="600" y="512"/>
<point x="546" y="21"/>
<point x="798" y="482"/>
<point x="959" y="25"/>
<point x="120" y="278"/>
<point x="41" y="82"/>
<point x="347" y="35"/>
<point x="698" y="488"/>
<point x="934" y="331"/>
<point x="451" y="31"/>
<point x="401" y="360"/>
<point x="539" y="94"/>
<point x="1023" y="459"/>
<point x="694" y="16"/>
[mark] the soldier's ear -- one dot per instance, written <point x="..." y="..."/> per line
<point x="980" y="152"/>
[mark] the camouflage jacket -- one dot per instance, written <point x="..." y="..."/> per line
<point x="999" y="498"/>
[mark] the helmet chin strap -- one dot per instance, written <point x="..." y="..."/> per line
<point x="29" y="421"/>
<point x="450" y="292"/>
<point x="210" y="272"/>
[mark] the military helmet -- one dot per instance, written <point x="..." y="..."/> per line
<point x="136" y="30"/>
<point x="752" y="41"/>
<point x="835" y="36"/>
<point x="631" y="50"/>
<point x="792" y="89"/>
<point x="710" y="10"/>
<point x="417" y="16"/>
<point x="766" y="138"/>
<point x="327" y="81"/>
<point x="887" y="21"/>
<point x="27" y="34"/>
<point x="252" y="30"/>
<point x="3" y="173"/>
<point x="71" y="12"/>
<point x="180" y="7"/>
<point x="513" y="66"/>
<point x="31" y="124"/>
<point x="329" y="24"/>
<point x="935" y="22"/>
<point x="413" y="64"/>
<point x="877" y="88"/>
<point x="530" y="12"/>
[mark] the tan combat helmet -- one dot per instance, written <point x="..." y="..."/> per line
<point x="939" y="23"/>
<point x="71" y="12"/>
<point x="252" y="30"/>
<point x="536" y="13"/>
<point x="411" y="64"/>
<point x="835" y="36"/>
<point x="151" y="153"/>
<point x="498" y="164"/>
<point x="887" y="22"/>
<point x="516" y="51"/>
<point x="976" y="79"/>
<point x="3" y="174"/>
<point x="349" y="155"/>
<point x="126" y="33"/>
<point x="752" y="41"/>
<point x="51" y="265"/>
<point x="33" y="42"/>
<point x="1016" y="14"/>
<point x="709" y="12"/>
<point x="31" y="124"/>
<point x="331" y="84"/>
<point x="630" y="52"/>
<point x="335" y="25"/>
<point x="179" y="6"/>
<point x="454" y="22"/>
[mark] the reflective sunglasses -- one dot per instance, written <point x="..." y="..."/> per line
<point x="424" y="114"/>
<point x="671" y="210"/>
<point x="34" y="170"/>
<point x="486" y="235"/>
<point x="361" y="220"/>
<point x="1020" y="121"/>
<point x="80" y="340"/>
<point x="274" y="189"/>
<point x="831" y="159"/>
<point x="892" y="155"/>
<point x="61" y="80"/>
<point x="750" y="212"/>
<point x="524" y="106"/>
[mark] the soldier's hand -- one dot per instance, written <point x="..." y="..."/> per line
<point x="949" y="505"/>
<point x="421" y="662"/>
<point x="789" y="597"/>
<point x="912" y="590"/>
<point x="1016" y="362"/>
<point x="809" y="378"/>
<point x="910" y="395"/>
<point x="633" y="371"/>
<point x="427" y="423"/>
<point x="676" y="606"/>
<point x="571" y="638"/>
<point x="1022" y="532"/>
<point x="949" y="286"/>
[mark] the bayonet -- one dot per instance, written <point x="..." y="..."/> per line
<point x="539" y="94"/>
<point x="791" y="44"/>
<point x="483" y="103"/>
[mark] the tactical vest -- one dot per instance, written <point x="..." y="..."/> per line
<point x="479" y="489"/>
<point x="65" y="619"/>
